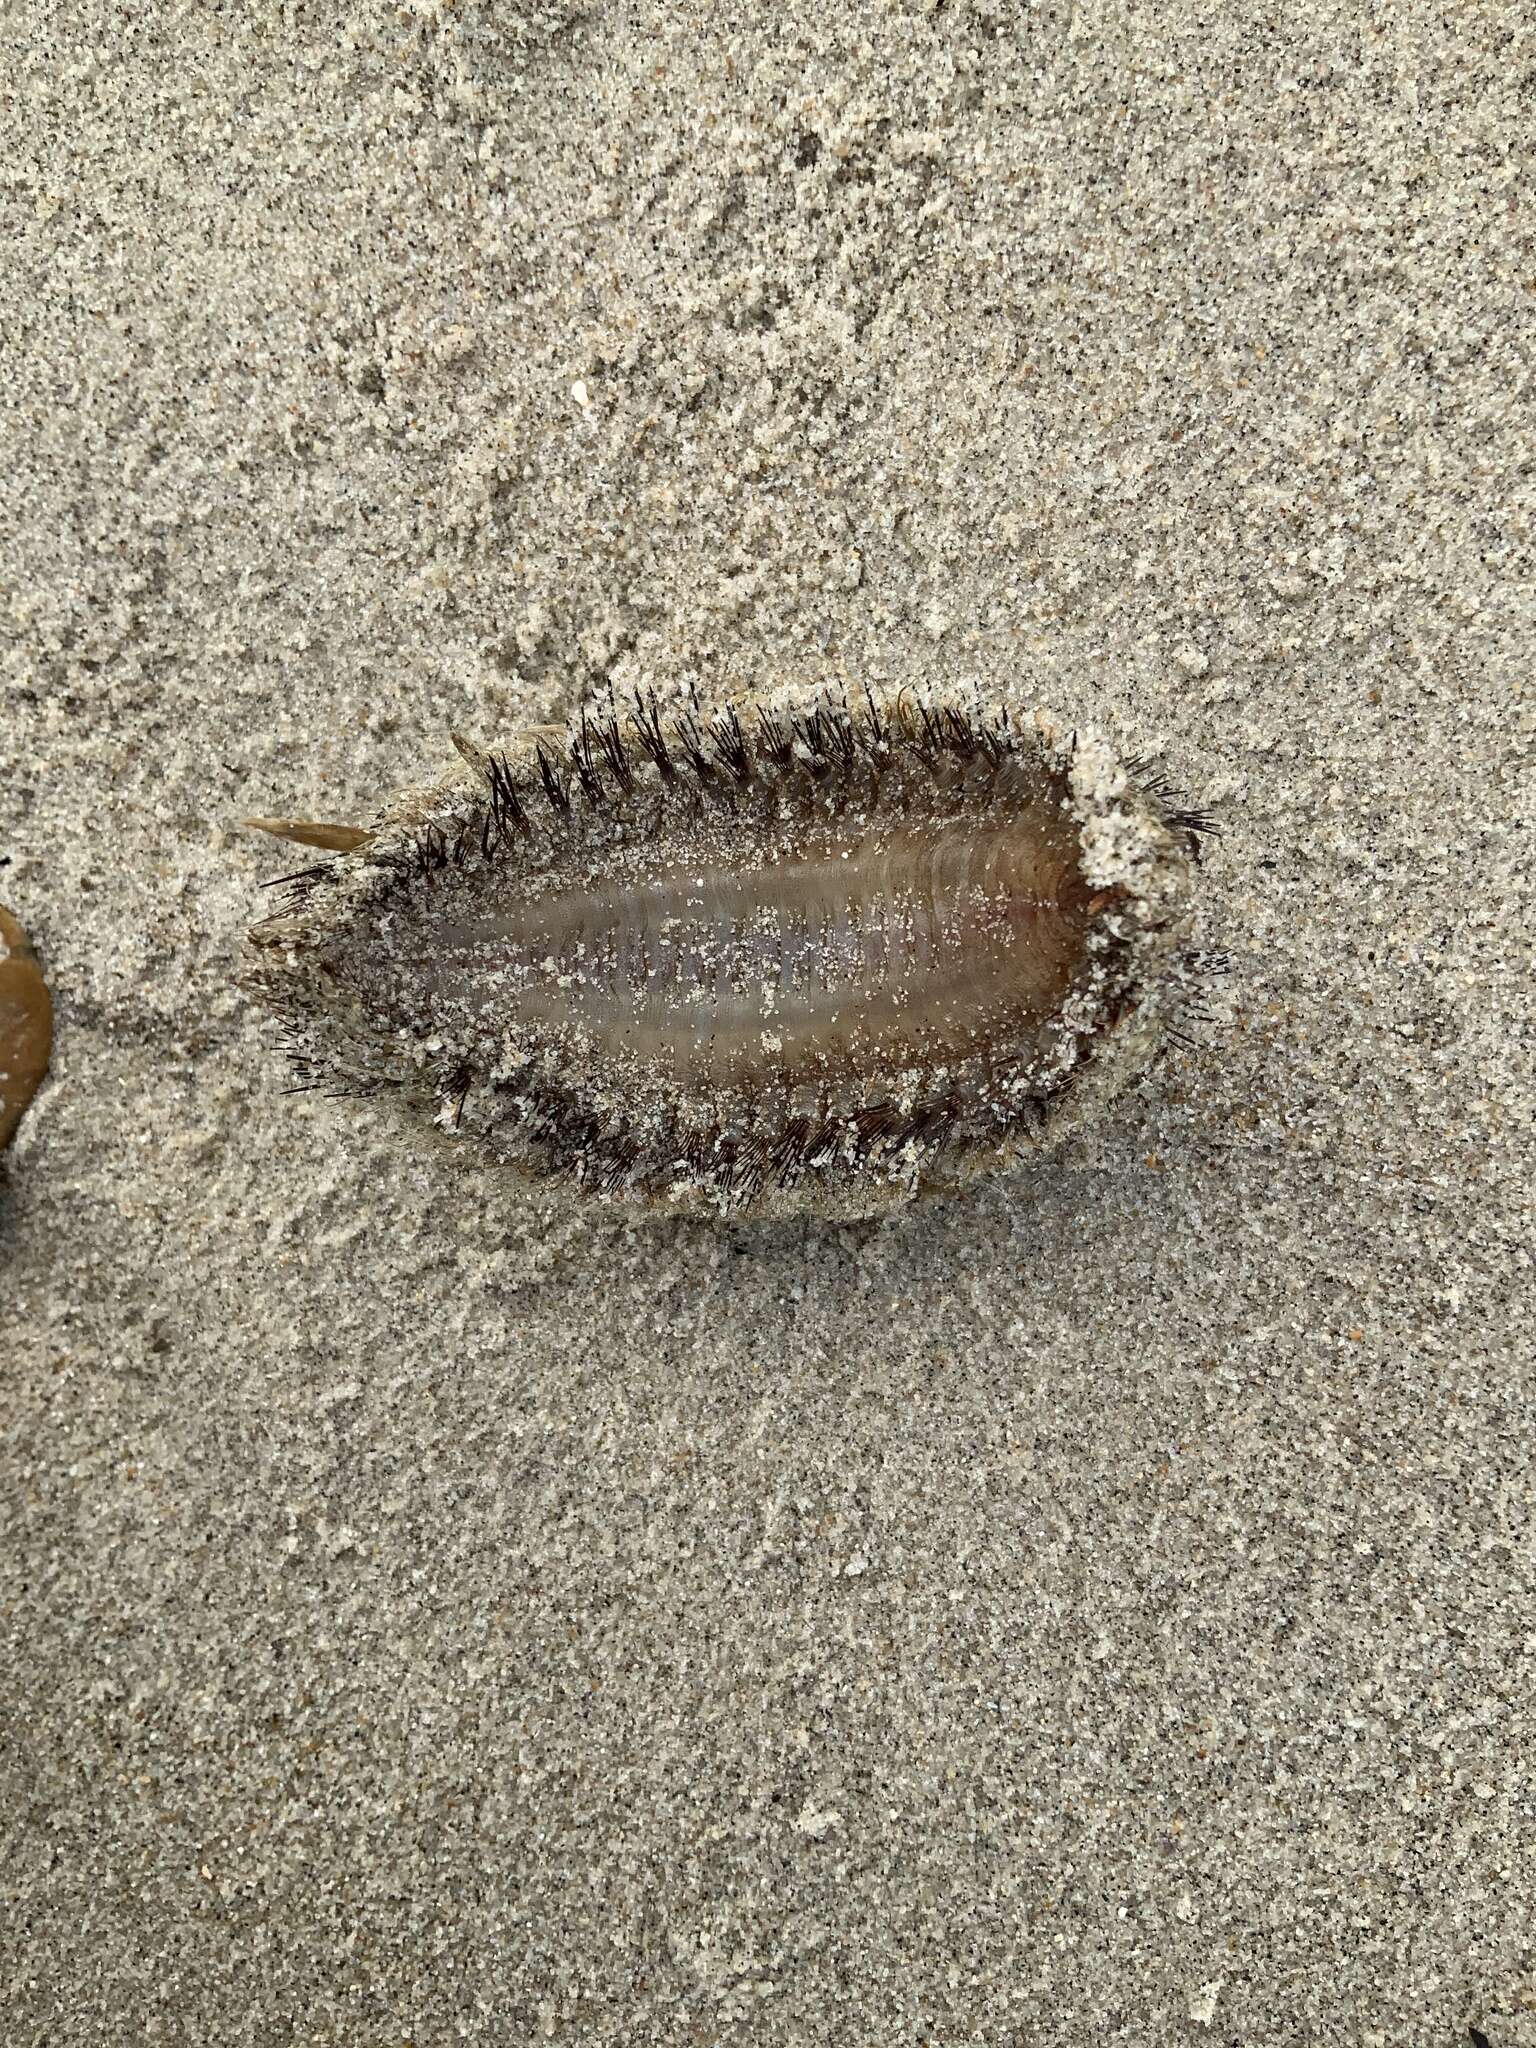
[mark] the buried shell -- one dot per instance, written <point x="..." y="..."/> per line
<point x="810" y="959"/>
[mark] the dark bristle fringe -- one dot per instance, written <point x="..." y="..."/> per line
<point x="301" y="883"/>
<point x="505" y="814"/>
<point x="583" y="766"/>
<point x="718" y="757"/>
<point x="646" y="720"/>
<point x="554" y="777"/>
<point x="615" y="754"/>
<point x="610" y="1162"/>
<point x="454" y="1086"/>
<point x="806" y="728"/>
<point x="688" y="737"/>
<point x="1179" y="815"/>
<point x="774" y="745"/>
<point x="431" y="850"/>
<point x="395" y="859"/>
<point x="961" y="733"/>
<point x="842" y="741"/>
<point x="926" y="738"/>
<point x="730" y="747"/>
<point x="1197" y="825"/>
<point x="596" y="747"/>
<point x="317" y="1074"/>
<point x="1207" y="963"/>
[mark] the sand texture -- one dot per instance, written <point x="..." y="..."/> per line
<point x="1100" y="1609"/>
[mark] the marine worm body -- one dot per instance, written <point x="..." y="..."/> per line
<point x="810" y="959"/>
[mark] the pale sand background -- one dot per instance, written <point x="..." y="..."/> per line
<point x="1098" y="1611"/>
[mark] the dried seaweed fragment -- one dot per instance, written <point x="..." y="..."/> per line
<point x="26" y="1026"/>
<point x="814" y="958"/>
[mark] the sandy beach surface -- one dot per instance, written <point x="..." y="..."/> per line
<point x="1102" y="1609"/>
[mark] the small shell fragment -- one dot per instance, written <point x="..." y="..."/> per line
<point x="810" y="958"/>
<point x="26" y="1026"/>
